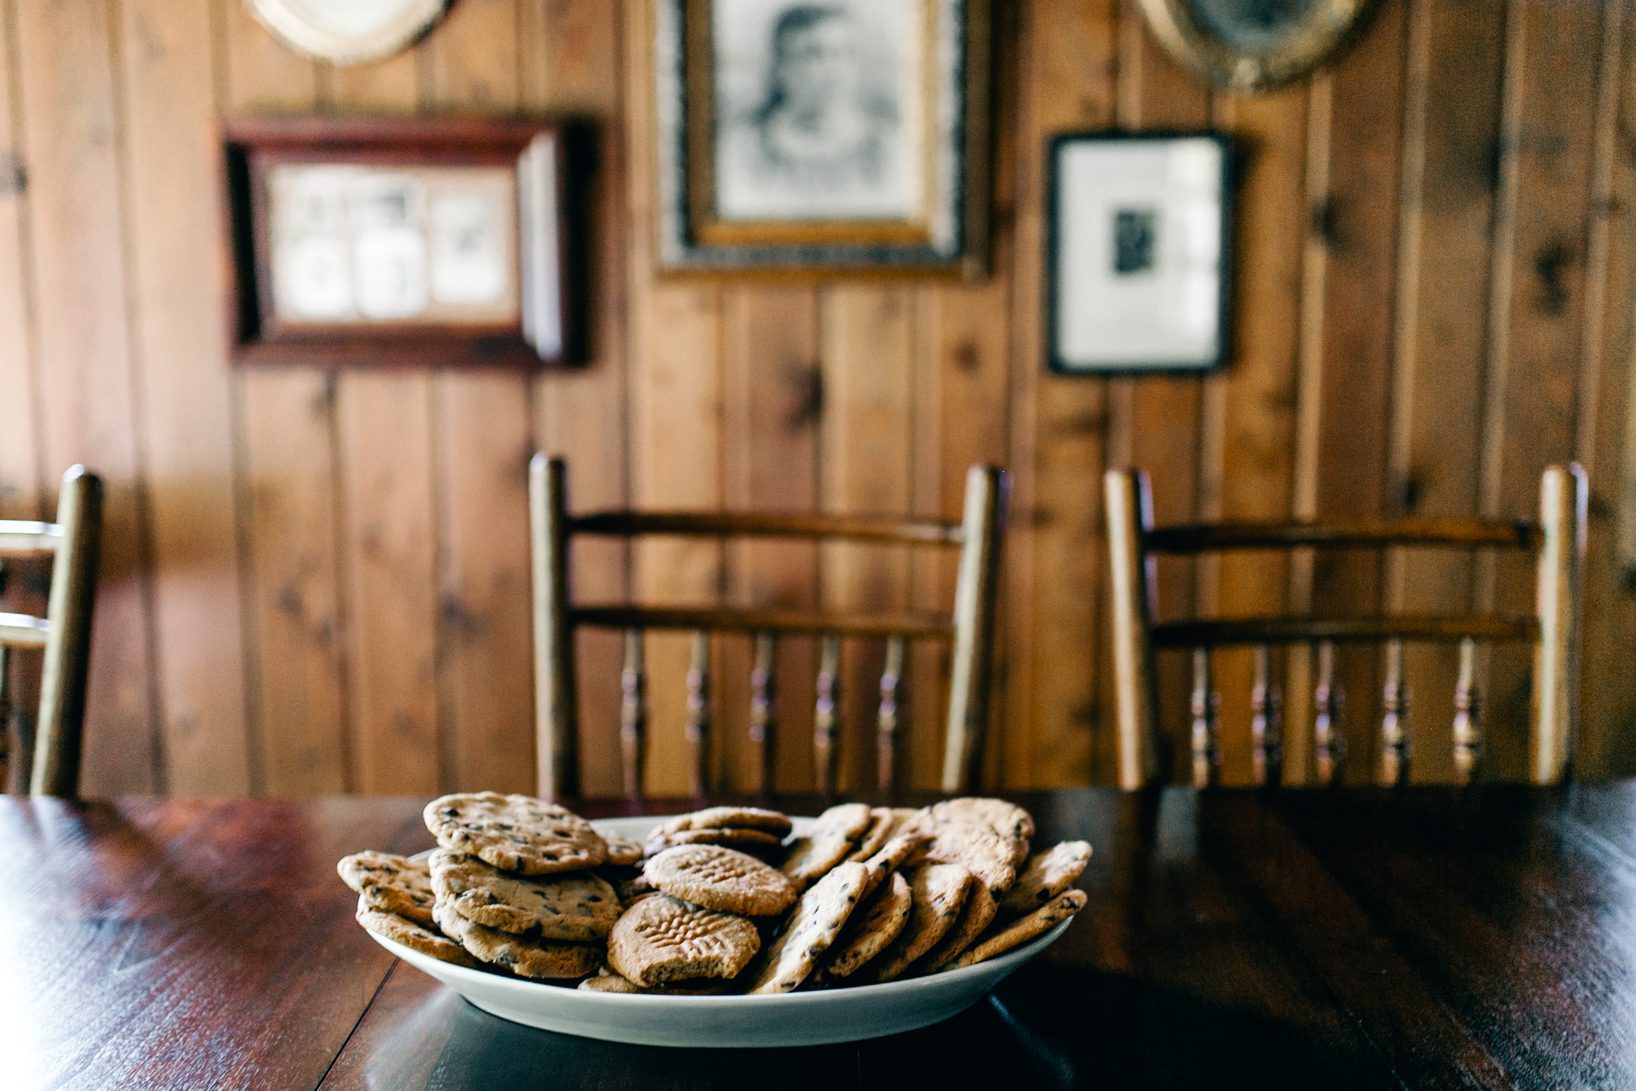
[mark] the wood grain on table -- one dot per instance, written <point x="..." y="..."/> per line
<point x="1355" y="938"/>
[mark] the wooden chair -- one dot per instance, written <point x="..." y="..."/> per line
<point x="1557" y="540"/>
<point x="63" y="635"/>
<point x="970" y="628"/>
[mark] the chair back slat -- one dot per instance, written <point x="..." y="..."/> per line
<point x="1375" y="533"/>
<point x="1328" y="744"/>
<point x="968" y="628"/>
<point x="1394" y="730"/>
<point x="23" y="539"/>
<point x="826" y="714"/>
<point x="858" y="528"/>
<point x="1557" y="541"/>
<point x="763" y="694"/>
<point x="886" y="720"/>
<point x="24" y="631"/>
<point x="1205" y="704"/>
<point x="1266" y="721"/>
<point x="633" y="713"/>
<point x="1468" y="729"/>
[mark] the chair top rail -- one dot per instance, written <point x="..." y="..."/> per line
<point x="25" y="538"/>
<point x="1285" y="630"/>
<point x="774" y="525"/>
<point x="1366" y="533"/>
<point x="761" y="620"/>
<point x="23" y="631"/>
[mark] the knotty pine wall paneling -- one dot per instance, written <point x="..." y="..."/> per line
<point x="319" y="582"/>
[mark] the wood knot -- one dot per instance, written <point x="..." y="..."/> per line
<point x="806" y="383"/>
<point x="1325" y="222"/>
<point x="13" y="175"/>
<point x="1551" y="265"/>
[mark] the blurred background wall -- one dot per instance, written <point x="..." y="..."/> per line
<point x="318" y="582"/>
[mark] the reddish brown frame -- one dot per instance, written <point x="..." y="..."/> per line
<point x="541" y="151"/>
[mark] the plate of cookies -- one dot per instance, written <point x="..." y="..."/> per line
<point x="723" y="927"/>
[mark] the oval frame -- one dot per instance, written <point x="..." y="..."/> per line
<point x="1320" y="39"/>
<point x="292" y="27"/>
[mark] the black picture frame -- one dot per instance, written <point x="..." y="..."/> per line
<point x="1055" y="360"/>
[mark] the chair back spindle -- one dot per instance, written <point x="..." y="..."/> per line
<point x="763" y="694"/>
<point x="891" y="709"/>
<point x="1394" y="732"/>
<point x="968" y="628"/>
<point x="633" y="714"/>
<point x="1205" y="704"/>
<point x="1468" y="730"/>
<point x="698" y="714"/>
<point x="1328" y="744"/>
<point x="825" y="715"/>
<point x="1556" y="541"/>
<point x="1266" y="721"/>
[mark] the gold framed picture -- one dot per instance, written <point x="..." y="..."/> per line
<point x="822" y="137"/>
<point x="1254" y="45"/>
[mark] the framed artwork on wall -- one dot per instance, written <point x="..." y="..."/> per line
<point x="1138" y="252"/>
<point x="822" y="137"/>
<point x="1254" y="45"/>
<point x="397" y="242"/>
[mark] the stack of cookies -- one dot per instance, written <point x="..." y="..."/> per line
<point x="720" y="900"/>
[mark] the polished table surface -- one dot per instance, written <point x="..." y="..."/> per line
<point x="1423" y="938"/>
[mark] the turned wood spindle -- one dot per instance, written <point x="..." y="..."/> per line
<point x="1205" y="705"/>
<point x="1266" y="725"/>
<point x="1328" y="746"/>
<point x="633" y="713"/>
<point x="891" y="712"/>
<point x="763" y="691"/>
<point x="5" y="717"/>
<point x="698" y="713"/>
<point x="1468" y="724"/>
<point x="824" y="754"/>
<point x="1394" y="721"/>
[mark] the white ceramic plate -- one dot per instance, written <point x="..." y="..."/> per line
<point x="791" y="1019"/>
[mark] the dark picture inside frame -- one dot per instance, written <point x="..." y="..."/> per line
<point x="398" y="242"/>
<point x="1137" y="258"/>
<point x="822" y="135"/>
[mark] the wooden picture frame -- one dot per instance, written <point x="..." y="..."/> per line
<point x="471" y="267"/>
<point x="895" y="185"/>
<point x="1248" y="45"/>
<point x="1138" y="253"/>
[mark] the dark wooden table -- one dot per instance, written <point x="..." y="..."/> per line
<point x="1425" y="938"/>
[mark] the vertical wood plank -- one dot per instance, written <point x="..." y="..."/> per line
<point x="1154" y="422"/>
<point x="962" y="416"/>
<point x="1606" y="436"/>
<point x="572" y="54"/>
<point x="70" y="147"/>
<point x="867" y="465"/>
<point x="177" y="291"/>
<point x="389" y="527"/>
<point x="1452" y="122"/>
<point x="22" y="495"/>
<point x="1353" y="218"/>
<point x="1055" y="553"/>
<point x="483" y="440"/>
<point x="1554" y="54"/>
<point x="773" y="403"/>
<point x="287" y="468"/>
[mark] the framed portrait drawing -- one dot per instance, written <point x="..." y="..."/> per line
<point x="398" y="242"/>
<point x="822" y="136"/>
<point x="1138" y="253"/>
<point x="1254" y="45"/>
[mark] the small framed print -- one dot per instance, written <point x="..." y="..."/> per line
<point x="805" y="137"/>
<point x="1138" y="254"/>
<point x="398" y="242"/>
